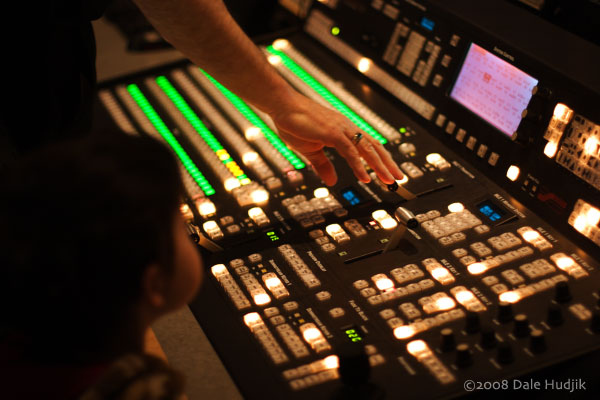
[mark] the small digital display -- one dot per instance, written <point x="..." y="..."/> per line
<point x="272" y="236"/>
<point x="493" y="89"/>
<point x="352" y="196"/>
<point x="491" y="210"/>
<point x="353" y="334"/>
<point x="427" y="23"/>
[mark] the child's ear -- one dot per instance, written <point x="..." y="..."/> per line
<point x="154" y="287"/>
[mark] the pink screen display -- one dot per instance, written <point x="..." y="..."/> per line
<point x="493" y="89"/>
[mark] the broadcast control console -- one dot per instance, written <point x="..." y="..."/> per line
<point x="481" y="264"/>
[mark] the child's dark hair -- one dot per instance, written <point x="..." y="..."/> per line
<point x="79" y="224"/>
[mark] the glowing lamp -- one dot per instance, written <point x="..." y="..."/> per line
<point x="404" y="332"/>
<point x="513" y="173"/>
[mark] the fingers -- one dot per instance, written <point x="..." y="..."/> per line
<point x="380" y="160"/>
<point x="347" y="149"/>
<point x="322" y="166"/>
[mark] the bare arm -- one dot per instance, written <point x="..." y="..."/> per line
<point x="206" y="33"/>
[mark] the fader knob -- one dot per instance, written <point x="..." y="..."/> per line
<point x="464" y="358"/>
<point x="505" y="353"/>
<point x="595" y="324"/>
<point x="537" y="343"/>
<point x="448" y="341"/>
<point x="505" y="312"/>
<point x="472" y="322"/>
<point x="562" y="292"/>
<point x="354" y="366"/>
<point x="521" y="328"/>
<point x="555" y="315"/>
<point x="488" y="337"/>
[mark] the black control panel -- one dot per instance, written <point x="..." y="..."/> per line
<point x="480" y="266"/>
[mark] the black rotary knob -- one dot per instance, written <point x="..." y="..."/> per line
<point x="562" y="292"/>
<point x="537" y="343"/>
<point x="505" y="312"/>
<point x="448" y="341"/>
<point x="464" y="358"/>
<point x="595" y="324"/>
<point x="472" y="322"/>
<point x="505" y="353"/>
<point x="521" y="328"/>
<point x="488" y="337"/>
<point x="555" y="315"/>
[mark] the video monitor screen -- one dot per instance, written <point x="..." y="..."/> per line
<point x="493" y="89"/>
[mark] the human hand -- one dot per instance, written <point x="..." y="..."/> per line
<point x="308" y="127"/>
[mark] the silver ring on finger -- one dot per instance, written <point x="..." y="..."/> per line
<point x="357" y="138"/>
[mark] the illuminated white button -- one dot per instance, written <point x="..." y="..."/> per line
<point x="274" y="60"/>
<point x="231" y="183"/>
<point x="464" y="296"/>
<point x="513" y="173"/>
<point x="321" y="192"/>
<point x="255" y="212"/>
<point x="261" y="299"/>
<point x="531" y="235"/>
<point x="384" y="284"/>
<point x="550" y="149"/>
<point x="593" y="216"/>
<point x="445" y="303"/>
<point x="433" y="158"/>
<point x="252" y="319"/>
<point x="249" y="157"/>
<point x="272" y="283"/>
<point x="562" y="112"/>
<point x="510" y="297"/>
<point x="364" y="64"/>
<point x="379" y="214"/>
<point x="311" y="334"/>
<point x="476" y="268"/>
<point x="564" y="262"/>
<point x="404" y="332"/>
<point x="281" y="44"/>
<point x="456" y="207"/>
<point x="218" y="270"/>
<point x="252" y="133"/>
<point x="206" y="208"/>
<point x="416" y="347"/>
<point x="331" y="362"/>
<point x="259" y="196"/>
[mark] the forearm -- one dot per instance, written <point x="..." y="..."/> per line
<point x="205" y="32"/>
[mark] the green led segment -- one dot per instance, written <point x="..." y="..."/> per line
<point x="335" y="30"/>
<point x="259" y="123"/>
<point x="327" y="95"/>
<point x="160" y="126"/>
<point x="402" y="130"/>
<point x="202" y="130"/>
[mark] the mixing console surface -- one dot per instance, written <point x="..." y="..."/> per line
<point x="308" y="298"/>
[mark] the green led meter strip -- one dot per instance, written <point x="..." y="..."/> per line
<point x="202" y="130"/>
<point x="251" y="116"/>
<point x="162" y="129"/>
<point x="327" y="95"/>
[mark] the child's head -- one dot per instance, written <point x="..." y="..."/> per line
<point x="93" y="246"/>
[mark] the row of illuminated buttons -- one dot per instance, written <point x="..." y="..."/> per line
<point x="421" y="351"/>
<point x="299" y="266"/>
<point x="475" y="268"/>
<point x="407" y="331"/>
<point x="256" y="325"/>
<point x="533" y="270"/>
<point x="453" y="222"/>
<point x="324" y="370"/>
<point x="471" y="141"/>
<point x="230" y="286"/>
